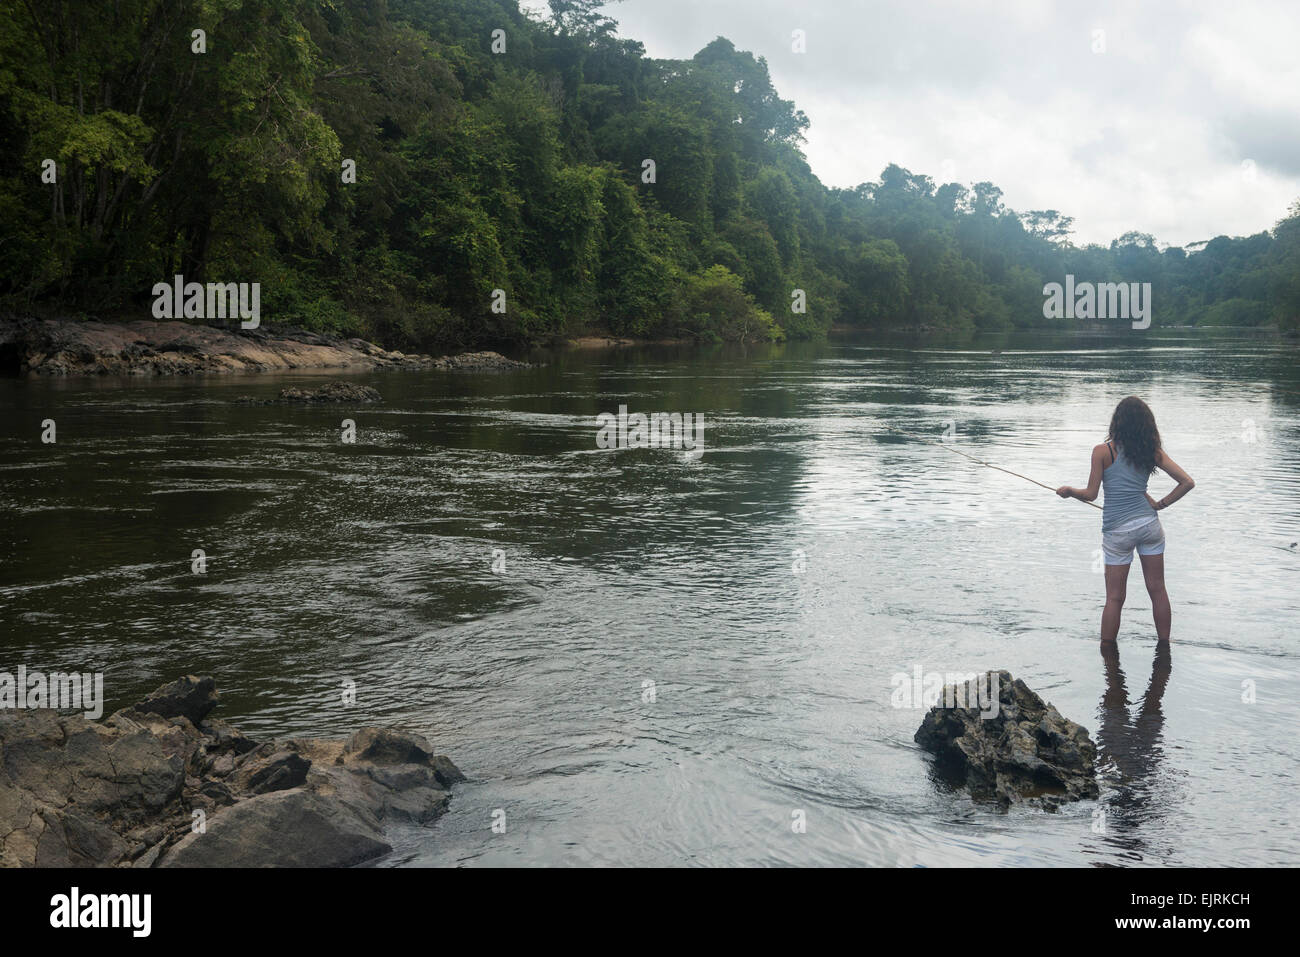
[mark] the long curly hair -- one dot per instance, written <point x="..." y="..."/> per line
<point x="1133" y="429"/>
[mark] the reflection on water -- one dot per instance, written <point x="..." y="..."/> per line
<point x="1130" y="747"/>
<point x="675" y="659"/>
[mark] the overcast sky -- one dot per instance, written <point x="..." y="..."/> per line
<point x="1185" y="125"/>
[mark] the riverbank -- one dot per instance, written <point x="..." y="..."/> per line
<point x="161" y="784"/>
<point x="63" y="347"/>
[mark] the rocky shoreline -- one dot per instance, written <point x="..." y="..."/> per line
<point x="61" y="347"/>
<point x="162" y="784"/>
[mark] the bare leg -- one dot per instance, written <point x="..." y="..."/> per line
<point x="1153" y="570"/>
<point x="1116" y="590"/>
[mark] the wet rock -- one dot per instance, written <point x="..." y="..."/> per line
<point x="407" y="793"/>
<point x="384" y="749"/>
<point x="1022" y="751"/>
<point x="478" y="362"/>
<point x="187" y="697"/>
<point x="125" y="792"/>
<point x="332" y="392"/>
<point x="448" y="774"/>
<point x="380" y="746"/>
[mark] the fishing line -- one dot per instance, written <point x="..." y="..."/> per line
<point x="988" y="465"/>
<point x="1290" y="550"/>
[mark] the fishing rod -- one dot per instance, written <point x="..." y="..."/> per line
<point x="989" y="465"/>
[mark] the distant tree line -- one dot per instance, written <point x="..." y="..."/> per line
<point x="546" y="165"/>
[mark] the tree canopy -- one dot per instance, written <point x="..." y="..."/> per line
<point x="547" y="158"/>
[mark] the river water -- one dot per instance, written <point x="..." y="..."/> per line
<point x="641" y="656"/>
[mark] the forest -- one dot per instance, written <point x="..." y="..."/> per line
<point x="441" y="174"/>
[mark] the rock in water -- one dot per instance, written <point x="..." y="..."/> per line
<point x="479" y="362"/>
<point x="1022" y="751"/>
<point x="127" y="792"/>
<point x="332" y="392"/>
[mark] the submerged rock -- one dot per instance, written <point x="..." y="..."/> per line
<point x="332" y="392"/>
<point x="133" y="790"/>
<point x="1021" y="751"/>
<point x="478" y="362"/>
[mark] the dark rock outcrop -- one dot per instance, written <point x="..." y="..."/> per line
<point x="332" y="392"/>
<point x="478" y="362"/>
<point x="161" y="784"/>
<point x="1025" y="752"/>
<point x="36" y="346"/>
<point x="186" y="697"/>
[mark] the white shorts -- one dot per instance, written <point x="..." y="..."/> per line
<point x="1144" y="534"/>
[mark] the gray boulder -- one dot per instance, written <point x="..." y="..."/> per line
<point x="1025" y="752"/>
<point x="293" y="828"/>
<point x="69" y="788"/>
<point x="381" y="746"/>
<point x="157" y="785"/>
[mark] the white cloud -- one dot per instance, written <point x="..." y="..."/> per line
<point x="1149" y="135"/>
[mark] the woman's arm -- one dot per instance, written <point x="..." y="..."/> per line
<point x="1185" y="482"/>
<point x="1090" y="493"/>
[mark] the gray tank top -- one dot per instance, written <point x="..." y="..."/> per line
<point x="1125" y="488"/>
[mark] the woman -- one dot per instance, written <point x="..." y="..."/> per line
<point x="1122" y="465"/>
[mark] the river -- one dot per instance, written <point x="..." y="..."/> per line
<point x="649" y="657"/>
